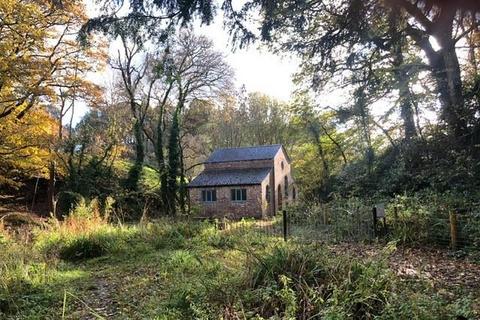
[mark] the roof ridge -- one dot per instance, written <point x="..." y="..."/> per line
<point x="236" y="169"/>
<point x="263" y="152"/>
<point x="250" y="147"/>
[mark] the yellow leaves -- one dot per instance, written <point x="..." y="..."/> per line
<point x="37" y="49"/>
<point x="25" y="146"/>
<point x="41" y="64"/>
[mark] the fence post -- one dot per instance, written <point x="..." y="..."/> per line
<point x="285" y="225"/>
<point x="375" y="221"/>
<point x="453" y="230"/>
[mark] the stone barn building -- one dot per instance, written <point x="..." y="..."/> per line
<point x="243" y="182"/>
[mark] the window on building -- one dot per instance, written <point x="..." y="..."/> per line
<point x="209" y="195"/>
<point x="281" y="165"/>
<point x="267" y="193"/>
<point x="238" y="194"/>
<point x="286" y="186"/>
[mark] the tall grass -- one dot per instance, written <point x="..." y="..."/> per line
<point x="308" y="282"/>
<point x="22" y="271"/>
<point x="190" y="270"/>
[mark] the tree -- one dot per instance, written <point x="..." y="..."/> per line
<point x="43" y="66"/>
<point x="159" y="84"/>
<point x="93" y="146"/>
<point x="25" y="147"/>
<point x="173" y="163"/>
<point x="138" y="97"/>
<point x="192" y="70"/>
<point x="35" y="47"/>
<point x="154" y="18"/>
<point x="325" y="33"/>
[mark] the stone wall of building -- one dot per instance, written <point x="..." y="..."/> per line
<point x="257" y="205"/>
<point x="267" y="203"/>
<point x="224" y="206"/>
<point x="279" y="174"/>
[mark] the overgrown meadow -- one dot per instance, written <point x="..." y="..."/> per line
<point x="88" y="266"/>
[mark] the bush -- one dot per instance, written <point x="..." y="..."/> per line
<point x="83" y="234"/>
<point x="221" y="241"/>
<point x="286" y="282"/>
<point x="166" y="233"/>
<point x="83" y="248"/>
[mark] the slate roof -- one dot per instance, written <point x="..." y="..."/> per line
<point x="244" y="153"/>
<point x="230" y="177"/>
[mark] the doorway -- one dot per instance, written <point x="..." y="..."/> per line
<point x="280" y="200"/>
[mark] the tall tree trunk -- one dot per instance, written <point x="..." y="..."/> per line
<point x="473" y="47"/>
<point x="363" y="117"/>
<point x="451" y="84"/>
<point x="136" y="170"/>
<point x="182" y="194"/>
<point x="51" y="189"/>
<point x="401" y="76"/>
<point x="173" y="162"/>
<point x="162" y="169"/>
<point x="448" y="74"/>
<point x="444" y="66"/>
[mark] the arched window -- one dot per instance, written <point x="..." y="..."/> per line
<point x="286" y="186"/>
<point x="267" y="193"/>
<point x="281" y="165"/>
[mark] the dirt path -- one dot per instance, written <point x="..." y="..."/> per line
<point x="96" y="303"/>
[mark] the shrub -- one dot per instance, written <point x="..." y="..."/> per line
<point x="285" y="279"/>
<point x="82" y="234"/>
<point x="221" y="241"/>
<point x="359" y="290"/>
<point x="68" y="200"/>
<point x="82" y="248"/>
<point x="166" y="233"/>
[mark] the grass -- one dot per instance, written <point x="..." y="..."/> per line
<point x="86" y="267"/>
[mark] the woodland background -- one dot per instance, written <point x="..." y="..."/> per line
<point x="94" y="214"/>
<point x="411" y="126"/>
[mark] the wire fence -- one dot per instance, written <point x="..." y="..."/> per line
<point x="354" y="221"/>
<point x="458" y="228"/>
<point x="347" y="221"/>
<point x="270" y="227"/>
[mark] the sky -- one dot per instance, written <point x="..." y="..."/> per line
<point x="255" y="68"/>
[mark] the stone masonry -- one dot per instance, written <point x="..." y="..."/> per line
<point x="261" y="171"/>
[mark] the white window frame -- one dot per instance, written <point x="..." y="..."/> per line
<point x="209" y="192"/>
